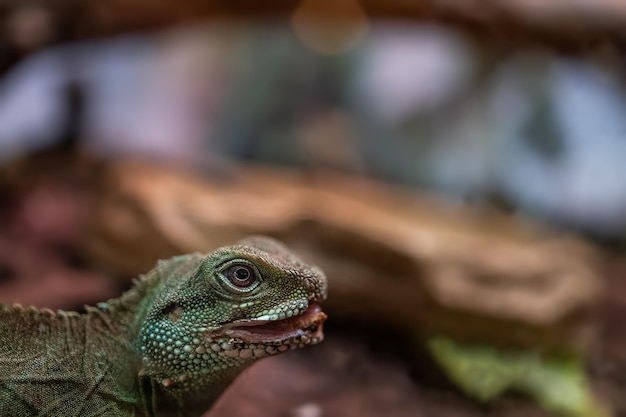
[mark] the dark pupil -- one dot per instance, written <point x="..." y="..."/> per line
<point x="242" y="274"/>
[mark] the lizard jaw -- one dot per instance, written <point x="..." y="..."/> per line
<point x="308" y="324"/>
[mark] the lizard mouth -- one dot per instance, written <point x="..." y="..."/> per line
<point x="307" y="326"/>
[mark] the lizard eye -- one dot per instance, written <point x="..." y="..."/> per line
<point x="241" y="276"/>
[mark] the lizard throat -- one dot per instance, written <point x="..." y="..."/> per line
<point x="308" y="324"/>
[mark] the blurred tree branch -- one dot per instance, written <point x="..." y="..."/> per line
<point x="562" y="24"/>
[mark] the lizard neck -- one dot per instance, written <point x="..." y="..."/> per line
<point x="129" y="311"/>
<point x="126" y="314"/>
<point x="164" y="400"/>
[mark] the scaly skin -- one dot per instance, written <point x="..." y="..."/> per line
<point x="167" y="347"/>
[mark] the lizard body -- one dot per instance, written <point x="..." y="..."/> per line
<point x="167" y="347"/>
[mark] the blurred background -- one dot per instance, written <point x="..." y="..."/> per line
<point x="455" y="168"/>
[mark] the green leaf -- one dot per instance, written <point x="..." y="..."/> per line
<point x="558" y="384"/>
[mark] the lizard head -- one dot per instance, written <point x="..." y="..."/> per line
<point x="219" y="312"/>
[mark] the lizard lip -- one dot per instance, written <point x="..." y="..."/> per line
<point x="307" y="324"/>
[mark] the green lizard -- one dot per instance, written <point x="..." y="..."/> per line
<point x="167" y="347"/>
